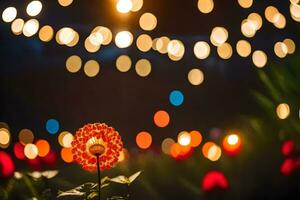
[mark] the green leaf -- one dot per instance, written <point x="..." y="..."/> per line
<point x="120" y="179"/>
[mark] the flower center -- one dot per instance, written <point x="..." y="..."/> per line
<point x="96" y="149"/>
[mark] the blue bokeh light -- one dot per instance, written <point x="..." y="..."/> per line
<point x="52" y="126"/>
<point x="176" y="98"/>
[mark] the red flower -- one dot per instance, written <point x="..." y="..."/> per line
<point x="96" y="140"/>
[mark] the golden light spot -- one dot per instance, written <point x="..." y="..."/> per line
<point x="290" y="45"/>
<point x="91" y="68"/>
<point x="61" y="136"/>
<point x="225" y="51"/>
<point x="4" y="137"/>
<point x="17" y="26"/>
<point x="184" y="138"/>
<point x="195" y="76"/>
<point x="280" y="49"/>
<point x="148" y="22"/>
<point x="201" y="50"/>
<point x="248" y="28"/>
<point x="66" y="35"/>
<point x="104" y="32"/>
<point x="196" y="138"/>
<point x="26" y="136"/>
<point x="161" y="44"/>
<point x="123" y="39"/>
<point x="96" y="38"/>
<point x="143" y="67"/>
<point x="124" y="6"/>
<point x="31" y="151"/>
<point x="243" y="48"/>
<point x="295" y="11"/>
<point x="144" y="42"/>
<point x="270" y="12"/>
<point x="259" y="58"/>
<point x="123" y="63"/>
<point x="74" y="41"/>
<point x="31" y="27"/>
<point x="206" y="147"/>
<point x="176" y="48"/>
<point x="256" y="19"/>
<point x="166" y="145"/>
<point x="161" y="118"/>
<point x="137" y="5"/>
<point x="65" y="3"/>
<point x="219" y="35"/>
<point x="205" y="6"/>
<point x="66" y="155"/>
<point x="143" y="140"/>
<point x="245" y="3"/>
<point x="9" y="14"/>
<point x="73" y="63"/>
<point x="34" y="8"/>
<point x="46" y="33"/>
<point x="283" y="111"/>
<point x="67" y="139"/>
<point x="43" y="147"/>
<point x="279" y="21"/>
<point x="214" y="153"/>
<point x="90" y="47"/>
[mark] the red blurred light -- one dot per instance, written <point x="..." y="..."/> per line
<point x="287" y="166"/>
<point x="19" y="151"/>
<point x="51" y="159"/>
<point x="34" y="164"/>
<point x="288" y="147"/>
<point x="7" y="166"/>
<point x="213" y="180"/>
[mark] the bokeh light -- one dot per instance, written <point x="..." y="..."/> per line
<point x="67" y="140"/>
<point x="259" y="58"/>
<point x="101" y="35"/>
<point x="288" y="147"/>
<point x="90" y="45"/>
<point x="225" y="51"/>
<point x="283" y="111"/>
<point x="91" y="68"/>
<point x="9" y="14"/>
<point x="143" y="140"/>
<point x="46" y="33"/>
<point x="137" y="5"/>
<point x="214" y="180"/>
<point x="175" y="50"/>
<point x="30" y="27"/>
<point x="124" y="6"/>
<point x="205" y="6"/>
<point x="184" y="138"/>
<point x="214" y="153"/>
<point x="123" y="39"/>
<point x="280" y="49"/>
<point x="219" y="36"/>
<point x="245" y="3"/>
<point x="4" y="138"/>
<point x="196" y="138"/>
<point x="65" y="3"/>
<point x="19" y="150"/>
<point x="66" y="155"/>
<point x="166" y="145"/>
<point x="123" y="63"/>
<point x="201" y="50"/>
<point x="176" y="98"/>
<point x="26" y="136"/>
<point x="66" y="35"/>
<point x="206" y="147"/>
<point x="17" y="26"/>
<point x="290" y="45"/>
<point x="295" y="11"/>
<point x="243" y="48"/>
<point x="161" y="44"/>
<point x="248" y="28"/>
<point x="73" y="63"/>
<point x="256" y="19"/>
<point x="43" y="147"/>
<point x="161" y="118"/>
<point x="34" y="8"/>
<point x="232" y="144"/>
<point x="195" y="76"/>
<point x="31" y="151"/>
<point x="144" y="42"/>
<point x="52" y="126"/>
<point x="7" y="166"/>
<point x="143" y="67"/>
<point x="270" y="12"/>
<point x="148" y="21"/>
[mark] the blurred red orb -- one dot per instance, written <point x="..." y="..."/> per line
<point x="19" y="151"/>
<point x="7" y="166"/>
<point x="288" y="147"/>
<point x="213" y="180"/>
